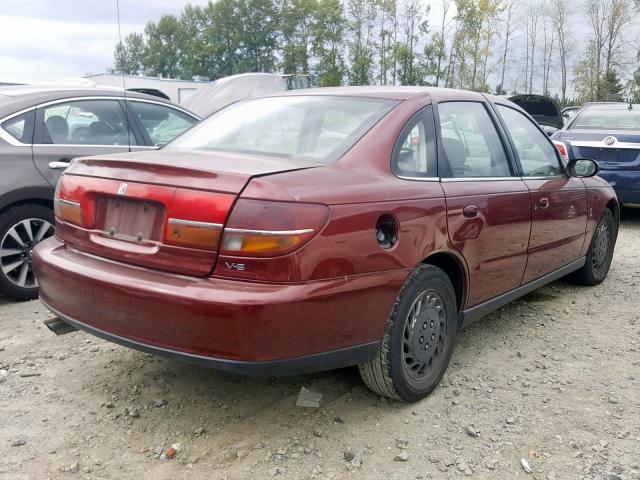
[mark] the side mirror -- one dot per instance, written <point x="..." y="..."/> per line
<point x="582" y="167"/>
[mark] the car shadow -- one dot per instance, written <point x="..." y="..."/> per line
<point x="630" y="215"/>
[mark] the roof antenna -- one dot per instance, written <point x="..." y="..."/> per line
<point x="124" y="86"/>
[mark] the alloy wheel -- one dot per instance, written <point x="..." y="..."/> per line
<point x="16" y="248"/>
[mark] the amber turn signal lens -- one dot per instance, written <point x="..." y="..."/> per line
<point x="187" y="233"/>
<point x="264" y="228"/>
<point x="68" y="211"/>
<point x="262" y="242"/>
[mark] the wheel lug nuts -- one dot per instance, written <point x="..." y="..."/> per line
<point x="433" y="336"/>
<point x="425" y="325"/>
<point x="421" y="339"/>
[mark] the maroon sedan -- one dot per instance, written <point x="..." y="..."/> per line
<point x="324" y="228"/>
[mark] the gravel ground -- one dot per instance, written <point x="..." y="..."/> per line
<point x="552" y="379"/>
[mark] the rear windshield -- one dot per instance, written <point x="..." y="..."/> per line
<point x="315" y="128"/>
<point x="608" y="119"/>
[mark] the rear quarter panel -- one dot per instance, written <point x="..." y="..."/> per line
<point x="358" y="188"/>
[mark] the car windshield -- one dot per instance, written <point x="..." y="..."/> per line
<point x="608" y="119"/>
<point x="316" y="128"/>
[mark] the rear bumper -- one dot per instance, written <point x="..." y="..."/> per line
<point x="238" y="326"/>
<point x="625" y="183"/>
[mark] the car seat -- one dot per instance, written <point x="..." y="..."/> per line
<point x="58" y="129"/>
<point x="456" y="155"/>
<point x="101" y="133"/>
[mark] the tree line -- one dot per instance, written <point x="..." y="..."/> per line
<point x="577" y="50"/>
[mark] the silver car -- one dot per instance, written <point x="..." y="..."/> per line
<point x="41" y="130"/>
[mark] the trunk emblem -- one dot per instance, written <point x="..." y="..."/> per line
<point x="122" y="189"/>
<point x="235" y="266"/>
<point x="610" y="141"/>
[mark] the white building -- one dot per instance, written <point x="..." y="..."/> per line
<point x="177" y="90"/>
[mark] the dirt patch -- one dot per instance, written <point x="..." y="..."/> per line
<point x="553" y="379"/>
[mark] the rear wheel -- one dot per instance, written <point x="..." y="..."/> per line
<point x="21" y="228"/>
<point x="600" y="253"/>
<point x="418" y="339"/>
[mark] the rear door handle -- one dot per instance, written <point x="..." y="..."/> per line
<point x="543" y="202"/>
<point x="470" y="211"/>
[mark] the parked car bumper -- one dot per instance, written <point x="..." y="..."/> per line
<point x="625" y="183"/>
<point x="238" y="326"/>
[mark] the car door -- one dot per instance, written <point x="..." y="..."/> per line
<point x="488" y="206"/>
<point x="160" y="123"/>
<point x="558" y="202"/>
<point x="76" y="128"/>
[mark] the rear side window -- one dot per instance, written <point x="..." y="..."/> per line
<point x="20" y="127"/>
<point x="470" y="142"/>
<point x="162" y="123"/>
<point x="414" y="153"/>
<point x="536" y="153"/>
<point x="318" y="128"/>
<point x="85" y="122"/>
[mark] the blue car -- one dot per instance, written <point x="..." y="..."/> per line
<point x="610" y="134"/>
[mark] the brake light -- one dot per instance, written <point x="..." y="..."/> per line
<point x="562" y="149"/>
<point x="196" y="219"/>
<point x="265" y="229"/>
<point x="66" y="205"/>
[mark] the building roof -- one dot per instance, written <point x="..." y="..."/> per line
<point x="145" y="77"/>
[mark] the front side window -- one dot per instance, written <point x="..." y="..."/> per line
<point x="162" y="123"/>
<point x="20" y="127"/>
<point x="536" y="153"/>
<point x="86" y="122"/>
<point x="315" y="128"/>
<point x="470" y="141"/>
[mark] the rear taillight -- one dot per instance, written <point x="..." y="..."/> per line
<point x="562" y="149"/>
<point x="196" y="219"/>
<point x="66" y="204"/>
<point x="259" y="228"/>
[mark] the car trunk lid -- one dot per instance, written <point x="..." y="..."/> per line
<point x="613" y="150"/>
<point x="163" y="210"/>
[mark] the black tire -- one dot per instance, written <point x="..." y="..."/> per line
<point x="600" y="253"/>
<point x="21" y="228"/>
<point x="404" y="368"/>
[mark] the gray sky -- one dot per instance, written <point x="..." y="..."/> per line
<point x="42" y="40"/>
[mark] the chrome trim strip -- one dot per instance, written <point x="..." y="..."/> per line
<point x="193" y="223"/>
<point x="113" y="97"/>
<point x="419" y="179"/>
<point x="68" y="202"/>
<point x="479" y="179"/>
<point x="91" y="145"/>
<point x="599" y="144"/>
<point x="269" y="232"/>
<point x="16" y="143"/>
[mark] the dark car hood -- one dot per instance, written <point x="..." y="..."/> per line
<point x="543" y="109"/>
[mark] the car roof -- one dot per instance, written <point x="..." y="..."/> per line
<point x="612" y="106"/>
<point x="387" y="92"/>
<point x="20" y="97"/>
